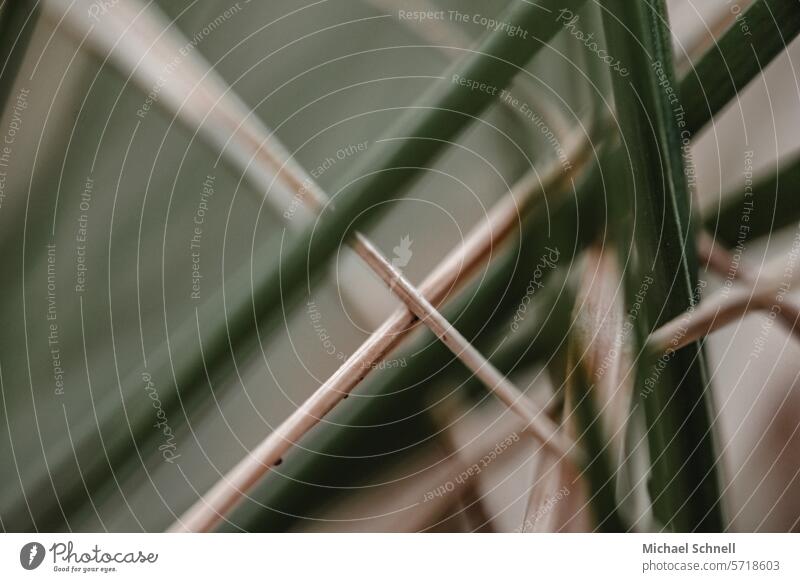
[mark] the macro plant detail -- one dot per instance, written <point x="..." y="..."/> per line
<point x="399" y="266"/>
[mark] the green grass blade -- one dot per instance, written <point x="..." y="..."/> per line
<point x="17" y="21"/>
<point x="769" y="204"/>
<point x="758" y="36"/>
<point x="593" y="442"/>
<point x="683" y="481"/>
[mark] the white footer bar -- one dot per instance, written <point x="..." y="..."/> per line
<point x="390" y="557"/>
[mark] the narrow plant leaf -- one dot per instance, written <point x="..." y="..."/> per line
<point x="656" y="202"/>
<point x="599" y="343"/>
<point x="758" y="36"/>
<point x="594" y="441"/>
<point x="599" y="382"/>
<point x="17" y="21"/>
<point x="704" y="39"/>
<point x="769" y="204"/>
<point x="142" y="42"/>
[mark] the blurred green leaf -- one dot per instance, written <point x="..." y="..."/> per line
<point x="17" y="21"/>
<point x="595" y="446"/>
<point x="749" y="213"/>
<point x="758" y="35"/>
